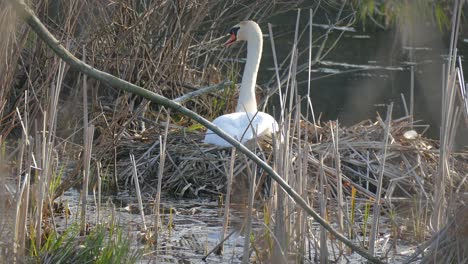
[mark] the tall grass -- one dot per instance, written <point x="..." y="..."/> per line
<point x="104" y="244"/>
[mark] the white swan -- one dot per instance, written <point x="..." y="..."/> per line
<point x="246" y="123"/>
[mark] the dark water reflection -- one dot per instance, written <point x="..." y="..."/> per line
<point x="368" y="69"/>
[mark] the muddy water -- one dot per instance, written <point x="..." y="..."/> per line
<point x="196" y="227"/>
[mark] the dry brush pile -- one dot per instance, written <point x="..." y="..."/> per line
<point x="194" y="168"/>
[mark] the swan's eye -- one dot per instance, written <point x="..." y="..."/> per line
<point x="232" y="37"/>
<point x="234" y="30"/>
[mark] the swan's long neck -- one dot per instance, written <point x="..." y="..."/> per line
<point x="247" y="100"/>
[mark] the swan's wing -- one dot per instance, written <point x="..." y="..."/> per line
<point x="232" y="124"/>
<point x="241" y="125"/>
<point x="264" y="124"/>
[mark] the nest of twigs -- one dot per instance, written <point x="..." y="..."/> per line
<point x="193" y="168"/>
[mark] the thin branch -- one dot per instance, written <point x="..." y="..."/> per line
<point x="204" y="90"/>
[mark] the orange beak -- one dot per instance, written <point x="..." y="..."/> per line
<point x="231" y="40"/>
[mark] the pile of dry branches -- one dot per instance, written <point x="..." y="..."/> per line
<point x="193" y="168"/>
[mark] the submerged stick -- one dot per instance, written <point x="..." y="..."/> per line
<point x="88" y="145"/>
<point x="36" y="25"/>
<point x="220" y="244"/>
<point x="339" y="177"/>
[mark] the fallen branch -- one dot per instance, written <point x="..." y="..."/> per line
<point x="30" y="18"/>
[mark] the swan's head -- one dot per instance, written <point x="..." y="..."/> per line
<point x="245" y="30"/>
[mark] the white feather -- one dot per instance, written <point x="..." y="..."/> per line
<point x="242" y="126"/>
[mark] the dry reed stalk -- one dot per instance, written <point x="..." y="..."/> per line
<point x="411" y="110"/>
<point x="378" y="194"/>
<point x="20" y="220"/>
<point x="99" y="200"/>
<point x="22" y="198"/>
<point x="293" y="166"/>
<point x="21" y="188"/>
<point x="448" y="126"/>
<point x="283" y="227"/>
<point x="277" y="74"/>
<point x="227" y="203"/>
<point x="40" y="186"/>
<point x="323" y="213"/>
<point x="4" y="210"/>
<point x="276" y="203"/>
<point x="44" y="145"/>
<point x="3" y="186"/>
<point x="305" y="189"/>
<point x="309" y="71"/>
<point x="339" y="181"/>
<point x="279" y="231"/>
<point x="23" y="215"/>
<point x="88" y="145"/>
<point x="298" y="234"/>
<point x="463" y="90"/>
<point x="88" y="133"/>
<point x="252" y="175"/>
<point x="162" y="160"/>
<point x="138" y="192"/>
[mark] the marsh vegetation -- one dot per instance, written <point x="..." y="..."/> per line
<point x="92" y="173"/>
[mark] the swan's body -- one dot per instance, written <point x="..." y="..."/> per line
<point x="246" y="123"/>
<point x="238" y="125"/>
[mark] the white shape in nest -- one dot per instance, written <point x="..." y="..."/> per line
<point x="410" y="134"/>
